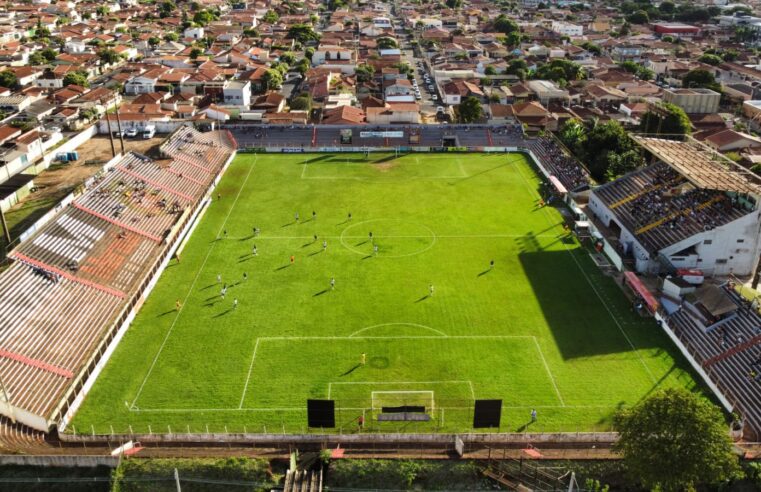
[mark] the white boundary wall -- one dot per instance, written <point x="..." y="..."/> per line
<point x="182" y="237"/>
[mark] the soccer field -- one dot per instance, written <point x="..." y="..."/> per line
<point x="543" y="329"/>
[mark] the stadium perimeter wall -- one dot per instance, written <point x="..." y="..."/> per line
<point x="101" y="357"/>
<point x="179" y="242"/>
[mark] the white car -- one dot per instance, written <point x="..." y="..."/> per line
<point x="434" y="97"/>
<point x="131" y="133"/>
<point x="440" y="109"/>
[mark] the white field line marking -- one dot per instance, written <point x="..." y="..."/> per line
<point x="549" y="373"/>
<point x="303" y="169"/>
<point x="399" y="383"/>
<point x="591" y="284"/>
<point x="400" y="324"/>
<point x="303" y="409"/>
<point x="462" y="170"/>
<point x="424" y="337"/>
<point x="248" y="376"/>
<point x="455" y="236"/>
<point x="432" y="238"/>
<point x="192" y="285"/>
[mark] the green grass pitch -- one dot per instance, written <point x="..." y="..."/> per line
<point x="543" y="329"/>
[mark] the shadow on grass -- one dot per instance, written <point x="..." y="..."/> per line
<point x="219" y="315"/>
<point x="525" y="426"/>
<point x="245" y="259"/>
<point x="281" y="268"/>
<point x="367" y="257"/>
<point x="317" y="294"/>
<point x="484" y="272"/>
<point x="250" y="236"/>
<point x="479" y="174"/>
<point x="315" y="252"/>
<point x="166" y="312"/>
<point x="422" y="298"/>
<point x="363" y="242"/>
<point x="351" y="370"/>
<point x="316" y="159"/>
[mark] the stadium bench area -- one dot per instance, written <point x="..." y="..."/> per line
<point x="654" y="204"/>
<point x="730" y="354"/>
<point x="76" y="277"/>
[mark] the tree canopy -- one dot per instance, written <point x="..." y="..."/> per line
<point x="470" y="110"/>
<point x="505" y="25"/>
<point x="386" y="43"/>
<point x="364" y="72"/>
<point x="560" y="69"/>
<point x="700" y="78"/>
<point x="710" y="59"/>
<point x="303" y="33"/>
<point x="273" y="78"/>
<point x="605" y="147"/>
<point x="76" y="78"/>
<point x="670" y="120"/>
<point x="8" y="79"/>
<point x="109" y="56"/>
<point x="675" y="440"/>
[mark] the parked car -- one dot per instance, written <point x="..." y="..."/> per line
<point x="131" y="133"/>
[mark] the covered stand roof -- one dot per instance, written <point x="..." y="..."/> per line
<point x="701" y="165"/>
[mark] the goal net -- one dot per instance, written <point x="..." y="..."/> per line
<point x="393" y="399"/>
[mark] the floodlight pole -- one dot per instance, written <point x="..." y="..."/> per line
<point x="5" y="227"/>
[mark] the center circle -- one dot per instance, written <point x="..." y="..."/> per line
<point x="395" y="238"/>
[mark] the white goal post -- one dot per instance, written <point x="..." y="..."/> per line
<point x="382" y="399"/>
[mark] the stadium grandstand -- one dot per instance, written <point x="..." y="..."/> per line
<point x="692" y="208"/>
<point x="74" y="284"/>
<point x="722" y="332"/>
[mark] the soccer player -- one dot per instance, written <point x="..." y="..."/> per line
<point x="219" y="278"/>
<point x="224" y="291"/>
<point x="254" y="251"/>
<point x="225" y="233"/>
<point x="296" y="217"/>
<point x="349" y="217"/>
<point x="491" y="264"/>
<point x="324" y="246"/>
<point x="533" y="415"/>
<point x="177" y="304"/>
<point x="332" y="283"/>
<point x="370" y="235"/>
<point x="315" y="238"/>
<point x="363" y="359"/>
<point x="235" y="303"/>
<point x="219" y="197"/>
<point x="375" y="249"/>
<point x="245" y="276"/>
<point x="314" y="215"/>
<point x="430" y="290"/>
<point x="293" y="258"/>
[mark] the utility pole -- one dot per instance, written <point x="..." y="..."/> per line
<point x="5" y="227"/>
<point x="8" y="401"/>
<point x="177" y="480"/>
<point x="111" y="136"/>
<point x="119" y="125"/>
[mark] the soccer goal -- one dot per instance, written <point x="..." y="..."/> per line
<point x="397" y="399"/>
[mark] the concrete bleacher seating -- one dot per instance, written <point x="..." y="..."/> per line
<point x="661" y="209"/>
<point x="730" y="355"/>
<point x="559" y="163"/>
<point x="73" y="278"/>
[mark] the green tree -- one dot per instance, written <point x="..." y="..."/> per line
<point x="454" y="4"/>
<point x="711" y="59"/>
<point x="36" y="59"/>
<point x="470" y="110"/>
<point x="700" y="78"/>
<point x="270" y="17"/>
<point x="171" y="36"/>
<point x="603" y="140"/>
<point x="386" y="43"/>
<point x="638" y="17"/>
<point x="364" y="72"/>
<point x="669" y="120"/>
<point x="76" y="78"/>
<point x="625" y="162"/>
<point x="273" y="78"/>
<point x="49" y="54"/>
<point x="505" y="25"/>
<point x="303" y="33"/>
<point x="203" y="17"/>
<point x="560" y="69"/>
<point x="308" y="53"/>
<point x="195" y="53"/>
<point x="166" y="8"/>
<point x="288" y="58"/>
<point x="667" y="7"/>
<point x="675" y="440"/>
<point x="303" y="102"/>
<point x="109" y="56"/>
<point x="102" y="10"/>
<point x="573" y="135"/>
<point x="490" y="70"/>
<point x="8" y="79"/>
